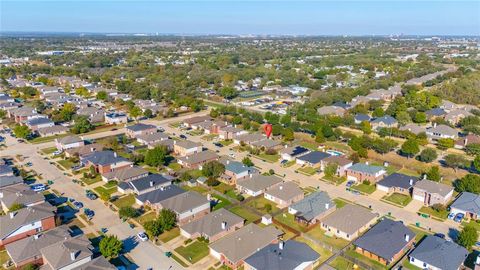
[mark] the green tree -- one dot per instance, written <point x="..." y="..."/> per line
<point x="102" y="95"/>
<point x="247" y="162"/>
<point x="135" y="112"/>
<point x="455" y="161"/>
<point x="331" y="169"/>
<point x="3" y="114"/>
<point x="110" y="246"/>
<point x="127" y="212"/>
<point x="467" y="237"/>
<point x="403" y="117"/>
<point x="167" y="219"/>
<point x="444" y="144"/>
<point x="410" y="148"/>
<point x="156" y="156"/>
<point x="473" y="149"/>
<point x="434" y="174"/>
<point x="153" y="228"/>
<point x="420" y="117"/>
<point x="82" y="91"/>
<point x="82" y="125"/>
<point x="378" y="112"/>
<point x="213" y="169"/>
<point x="427" y="155"/>
<point x="366" y="127"/>
<point x="469" y="183"/>
<point x="476" y="163"/>
<point x="148" y="113"/>
<point x="319" y="138"/>
<point x="67" y="112"/>
<point x="21" y="131"/>
<point x="288" y="134"/>
<point x="30" y="266"/>
<point x="228" y="92"/>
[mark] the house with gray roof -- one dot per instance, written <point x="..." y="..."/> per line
<point x="312" y="208"/>
<point x="312" y="158"/>
<point x="468" y="204"/>
<point x="51" y="131"/>
<point x="292" y="152"/>
<point x="5" y="170"/>
<point x="255" y="185"/>
<point x="284" y="194"/>
<point x="361" y="117"/>
<point x="196" y="160"/>
<point x="152" y="138"/>
<point x="413" y="128"/>
<point x="383" y="122"/>
<point x="248" y="139"/>
<point x="348" y="222"/>
<point x="158" y="195"/>
<point x="385" y="242"/>
<point x="266" y="144"/>
<point x="397" y="183"/>
<point x="9" y="180"/>
<point x="188" y="206"/>
<point x="438" y="132"/>
<point x="126" y="174"/>
<point x="186" y="147"/>
<point x="68" y="142"/>
<point x="105" y="161"/>
<point x="435" y="113"/>
<point x="331" y="110"/>
<point x="67" y="253"/>
<point x="19" y="194"/>
<point x="213" y="226"/>
<point x="235" y="170"/>
<point x="99" y="263"/>
<point x="430" y="192"/>
<point x="360" y="172"/>
<point x="289" y="255"/>
<point x="437" y="253"/>
<point x="136" y="130"/>
<point x="37" y="123"/>
<point x="146" y="184"/>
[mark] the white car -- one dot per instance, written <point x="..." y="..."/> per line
<point x="142" y="236"/>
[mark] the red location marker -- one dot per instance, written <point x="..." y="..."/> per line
<point x="268" y="129"/>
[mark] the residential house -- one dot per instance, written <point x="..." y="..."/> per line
<point x="289" y="255"/>
<point x="52" y="131"/>
<point x="248" y="139"/>
<point x="438" y="132"/>
<point x="448" y="105"/>
<point x="140" y="129"/>
<point x="342" y="163"/>
<point x="6" y="170"/>
<point x="348" y="222"/>
<point x="196" y="161"/>
<point x="414" y="128"/>
<point x="23" y="114"/>
<point x="312" y="208"/>
<point x="291" y="153"/>
<point x="385" y="242"/>
<point x="361" y="117"/>
<point x="430" y="192"/>
<point x="68" y="142"/>
<point x="26" y="222"/>
<point x="383" y="122"/>
<point x="397" y="183"/>
<point x="437" y="253"/>
<point x="455" y="116"/>
<point x="185" y="147"/>
<point x="266" y="144"/>
<point x="37" y="123"/>
<point x="235" y="171"/>
<point x="255" y="185"/>
<point x="312" y="159"/>
<point x="20" y="194"/>
<point x="197" y="119"/>
<point x="83" y="150"/>
<point x="115" y="118"/>
<point x="331" y="110"/>
<point x="229" y="133"/>
<point x="145" y="184"/>
<point x="213" y="226"/>
<point x="71" y="253"/>
<point x="105" y="161"/>
<point x="360" y="172"/>
<point x="435" y="113"/>
<point x="152" y="138"/>
<point x="462" y="142"/>
<point x="125" y="174"/>
<point x="95" y="115"/>
<point x="284" y="194"/>
<point x="234" y="248"/>
<point x="169" y="143"/>
<point x="468" y="204"/>
<point x="9" y="180"/>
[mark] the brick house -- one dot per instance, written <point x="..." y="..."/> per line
<point x="284" y="194"/>
<point x="105" y="161"/>
<point x="360" y="172"/>
<point x="430" y="192"/>
<point x="136" y="130"/>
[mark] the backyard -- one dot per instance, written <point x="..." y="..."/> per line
<point x="221" y="202"/>
<point x="268" y="158"/>
<point x="194" y="251"/>
<point x="262" y="205"/>
<point x="333" y="241"/>
<point x="289" y="220"/>
<point x="244" y="213"/>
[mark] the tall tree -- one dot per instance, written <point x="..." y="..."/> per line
<point x="410" y="148"/>
<point x="110" y="246"/>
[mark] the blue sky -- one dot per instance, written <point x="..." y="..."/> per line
<point x="244" y="17"/>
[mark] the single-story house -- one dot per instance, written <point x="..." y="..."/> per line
<point x="312" y="208"/>
<point x="468" y="204"/>
<point x="348" y="222"/>
<point x="145" y="184"/>
<point x="125" y="174"/>
<point x="397" y="183"/>
<point x="68" y="142"/>
<point x="52" y="131"/>
<point x="105" y="161"/>
<point x="414" y="128"/>
<point x="360" y="172"/>
<point x="312" y="159"/>
<point x="115" y="118"/>
<point x="462" y="142"/>
<point x="342" y="163"/>
<point x="197" y="119"/>
<point x="361" y="117"/>
<point x="152" y="138"/>
<point x="196" y="161"/>
<point x="291" y="153"/>
<point x="331" y="110"/>
<point x="83" y="150"/>
<point x="255" y="185"/>
<point x="455" y="116"/>
<point x="284" y="194"/>
<point x="266" y="144"/>
<point x="441" y="132"/>
<point x="37" y="123"/>
<point x="20" y="194"/>
<point x="185" y="147"/>
<point x="437" y="253"/>
<point x="248" y="138"/>
<point x="435" y="113"/>
<point x="139" y="129"/>
<point x="430" y="192"/>
<point x="229" y="133"/>
<point x="383" y="122"/>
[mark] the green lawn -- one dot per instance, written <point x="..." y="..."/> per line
<point x="223" y="202"/>
<point x="209" y="137"/>
<point x="339" y="202"/>
<point x="226" y="142"/>
<point x="309" y="145"/>
<point x="442" y="215"/>
<point x="289" y="220"/>
<point x="128" y="200"/>
<point x="94" y="180"/>
<point x="195" y="173"/>
<point x="169" y="235"/>
<point x="399" y="199"/>
<point x="199" y="189"/>
<point x="308" y="170"/>
<point x="244" y="213"/>
<point x="193" y="252"/>
<point x="223" y="188"/>
<point x="110" y="184"/>
<point x="289" y="164"/>
<point x="324" y="253"/>
<point x="146" y="217"/>
<point x="261" y="203"/>
<point x="105" y="192"/>
<point x="373" y="264"/>
<point x="175" y="166"/>
<point x="406" y="264"/>
<point x="419" y="232"/>
<point x="363" y="188"/>
<point x="48" y="139"/>
<point x="340" y="263"/>
<point x="67" y="164"/>
<point x="269" y="158"/>
<point x="334" y="241"/>
<point x="3" y="258"/>
<point x="334" y="179"/>
<point x="48" y="150"/>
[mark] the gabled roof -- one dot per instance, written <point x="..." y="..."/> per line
<point x="211" y="224"/>
<point x="365" y="168"/>
<point x="20" y="194"/>
<point x="440" y="253"/>
<point x="99" y="263"/>
<point x="268" y="143"/>
<point x="140" y="127"/>
<point x="362" y="117"/>
<point x="187" y="144"/>
<point x="104" y="158"/>
<point x="39" y="121"/>
<point x="313" y="205"/>
<point x="259" y="182"/>
<point x="199" y="157"/>
<point x="350" y="218"/>
<point x="434" y="187"/>
<point x="467" y="202"/>
<point x="387" y="119"/>
<point x="69" y="140"/>
<point x="436" y="112"/>
<point x="314" y="157"/>
<point x="9" y="224"/>
<point x="294" y="151"/>
<point x="385" y="239"/>
<point x="184" y="202"/>
<point x="149" y="181"/>
<point x="58" y="255"/>
<point x="157" y="136"/>
<point x="289" y="257"/>
<point x="126" y="173"/>
<point x="339" y="160"/>
<point x="398" y="180"/>
<point x="284" y="191"/>
<point x="10" y="180"/>
<point x="159" y="195"/>
<point x="443" y="129"/>
<point x="236" y="167"/>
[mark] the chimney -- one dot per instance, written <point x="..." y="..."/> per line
<point x="465" y="142"/>
<point x="228" y="162"/>
<point x="434" y="124"/>
<point x="186" y="157"/>
<point x="327" y="206"/>
<point x="281" y="187"/>
<point x="477" y="262"/>
<point x="281" y="245"/>
<point x="411" y="182"/>
<point x="286" y="146"/>
<point x="12" y="214"/>
<point x="424" y="176"/>
<point x="174" y="141"/>
<point x="115" y="154"/>
<point x="366" y="162"/>
<point x="1" y="195"/>
<point x="72" y="255"/>
<point x="407" y="238"/>
<point x="224" y="225"/>
<point x="251" y="175"/>
<point x="151" y="183"/>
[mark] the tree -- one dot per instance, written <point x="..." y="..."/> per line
<point x="30" y="266"/>
<point x="82" y="91"/>
<point x="135" y="112"/>
<point x="21" y="131"/>
<point x="366" y="127"/>
<point x="148" y="113"/>
<point x="102" y="95"/>
<point x="127" y="212"/>
<point x="153" y="228"/>
<point x="319" y="138"/>
<point x="110" y="246"/>
<point x="403" y="117"/>
<point x="476" y="163"/>
<point x="15" y="207"/>
<point x="410" y="148"/>
<point x="156" y="156"/>
<point x="82" y="125"/>
<point x="67" y="112"/>
<point x="331" y="169"/>
<point x="3" y="113"/>
<point x="288" y="134"/>
<point x="468" y="183"/>
<point x="378" y="112"/>
<point x="455" y="161"/>
<point x="427" y="155"/>
<point x="267" y="207"/>
<point x="473" y="149"/>
<point x="468" y="236"/>
<point x="167" y="219"/>
<point x="434" y="174"/>
<point x="420" y="117"/>
<point x="213" y="169"/>
<point x="247" y="162"/>
<point x="228" y="92"/>
<point x="444" y="144"/>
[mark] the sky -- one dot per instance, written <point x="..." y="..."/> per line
<point x="409" y="17"/>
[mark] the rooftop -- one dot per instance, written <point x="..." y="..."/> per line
<point x="440" y="253"/>
<point x="211" y="224"/>
<point x="350" y="218"/>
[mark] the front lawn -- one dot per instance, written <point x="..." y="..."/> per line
<point x="89" y="181"/>
<point x="399" y="199"/>
<point x="473" y="223"/>
<point x="105" y="193"/>
<point x="440" y="215"/>
<point x="110" y="184"/>
<point x="175" y="166"/>
<point x="48" y="150"/>
<point x="169" y="235"/>
<point x="364" y="188"/>
<point x="38" y="140"/>
<point x="226" y="142"/>
<point x="269" y="158"/>
<point x="261" y="204"/>
<point x="222" y="202"/>
<point x="339" y="202"/>
<point x="289" y="220"/>
<point x="307" y="170"/>
<point x="194" y="252"/>
<point x="289" y="164"/>
<point x="244" y="213"/>
<point x="335" y="179"/>
<point x="124" y="201"/>
<point x="334" y="241"/>
<point x="146" y="217"/>
<point x="66" y="163"/>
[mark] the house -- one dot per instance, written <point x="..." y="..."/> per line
<point x="312" y="208"/>
<point x="348" y="222"/>
<point x="140" y="129"/>
<point x="26" y="222"/>
<point x="312" y="159"/>
<point x="361" y="117"/>
<point x="435" y="113"/>
<point x="430" y="192"/>
<point x="68" y="142"/>
<point x="6" y="170"/>
<point x="255" y="185"/>
<point x="105" y="161"/>
<point x="235" y="171"/>
<point x="125" y="174"/>
<point x="154" y="197"/>
<point x="195" y="161"/>
<point x="462" y="142"/>
<point x="83" y="150"/>
<point x="20" y="194"/>
<point x="70" y="253"/>
<point x="384" y="122"/>
<point x="455" y="116"/>
<point x="397" y="183"/>
<point x="291" y="153"/>
<point x="185" y="147"/>
<point x="289" y="255"/>
<point x="37" y="123"/>
<point x="331" y="110"/>
<point x="248" y="139"/>
<point x="468" y="204"/>
<point x="213" y="226"/>
<point x="145" y="184"/>
<point x="22" y="114"/>
<point x="234" y="248"/>
<point x="342" y="163"/>
<point x="229" y="133"/>
<point x="284" y="194"/>
<point x="52" y="131"/>
<point x="9" y="180"/>
<point x="197" y="119"/>
<point x="94" y="115"/>
<point x="115" y="118"/>
<point x="448" y="105"/>
<point x="438" y="132"/>
<point x="414" y="128"/>
<point x="385" y="242"/>
<point x="360" y="172"/>
<point x="152" y="138"/>
<point x="437" y="253"/>
<point x="169" y="143"/>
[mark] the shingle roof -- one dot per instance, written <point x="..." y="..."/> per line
<point x="362" y="117"/>
<point x="126" y="173"/>
<point x="313" y="205"/>
<point x="5" y="170"/>
<point x="211" y="224"/>
<point x="259" y="182"/>
<point x="69" y="140"/>
<point x="284" y="191"/>
<point x="467" y="202"/>
<point x="10" y="180"/>
<point x="362" y="167"/>
<point x="104" y="158"/>
<point x="140" y="127"/>
<point x="39" y="121"/>
<point x="199" y="157"/>
<point x="20" y="194"/>
<point x="58" y="255"/>
<point x="153" y="137"/>
<point x="314" y="157"/>
<point x="99" y="263"/>
<point x="443" y="129"/>
<point x="294" y="151"/>
<point x="398" y="180"/>
<point x="185" y="201"/>
<point x="149" y="181"/>
<point x="236" y="167"/>
<point x="434" y="187"/>
<point x="339" y="160"/>
<point x="438" y="252"/>
<point x="291" y="256"/>
<point x="159" y="195"/>
<point x="436" y="112"/>
<point x="268" y="143"/>
<point x="350" y="218"/>
<point x="24" y="216"/>
<point x="385" y="239"/>
<point x="387" y="119"/>
<point x="187" y="144"/>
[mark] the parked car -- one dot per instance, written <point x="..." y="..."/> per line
<point x="104" y="230"/>
<point x="183" y="136"/>
<point x="283" y="162"/>
<point x="232" y="155"/>
<point x="90" y="195"/>
<point x="441" y="235"/>
<point x="161" y="129"/>
<point x="89" y="213"/>
<point x="38" y="187"/>
<point x="217" y="144"/>
<point x="78" y="205"/>
<point x="29" y="164"/>
<point x="142" y="236"/>
<point x="458" y="217"/>
<point x="350" y="183"/>
<point x="451" y="215"/>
